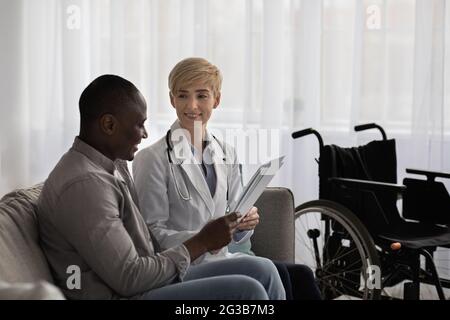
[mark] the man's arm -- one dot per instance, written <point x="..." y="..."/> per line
<point x="88" y="216"/>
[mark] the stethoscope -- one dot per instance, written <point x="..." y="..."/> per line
<point x="169" y="149"/>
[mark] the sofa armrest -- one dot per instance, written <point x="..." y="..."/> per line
<point x="41" y="290"/>
<point x="275" y="234"/>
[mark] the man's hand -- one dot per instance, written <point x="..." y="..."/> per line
<point x="250" y="221"/>
<point x="213" y="236"/>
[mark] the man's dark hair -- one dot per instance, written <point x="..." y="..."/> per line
<point x="106" y="94"/>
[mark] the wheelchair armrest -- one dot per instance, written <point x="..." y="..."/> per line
<point x="431" y="175"/>
<point x="369" y="185"/>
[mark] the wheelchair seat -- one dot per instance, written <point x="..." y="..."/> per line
<point x="415" y="235"/>
<point x="376" y="161"/>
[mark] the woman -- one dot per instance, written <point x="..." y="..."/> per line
<point x="189" y="177"/>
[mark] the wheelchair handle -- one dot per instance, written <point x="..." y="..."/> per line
<point x="305" y="132"/>
<point x="367" y="126"/>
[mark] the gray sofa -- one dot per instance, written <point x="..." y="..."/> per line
<point x="24" y="271"/>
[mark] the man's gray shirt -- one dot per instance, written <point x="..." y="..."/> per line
<point x="88" y="219"/>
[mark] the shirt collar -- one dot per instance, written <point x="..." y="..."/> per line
<point x="94" y="155"/>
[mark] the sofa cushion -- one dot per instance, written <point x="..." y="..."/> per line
<point x="22" y="259"/>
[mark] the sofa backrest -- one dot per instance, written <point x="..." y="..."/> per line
<point x="21" y="258"/>
<point x="274" y="237"/>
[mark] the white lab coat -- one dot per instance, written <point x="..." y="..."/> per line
<point x="174" y="218"/>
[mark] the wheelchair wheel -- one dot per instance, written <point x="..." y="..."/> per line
<point x="333" y="242"/>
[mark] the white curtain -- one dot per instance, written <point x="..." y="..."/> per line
<point x="287" y="65"/>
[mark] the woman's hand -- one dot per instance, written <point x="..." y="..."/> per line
<point x="250" y="221"/>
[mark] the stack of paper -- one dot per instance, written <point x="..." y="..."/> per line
<point x="256" y="185"/>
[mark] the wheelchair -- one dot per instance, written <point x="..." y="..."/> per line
<point x="354" y="237"/>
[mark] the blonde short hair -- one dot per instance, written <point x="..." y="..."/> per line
<point x="195" y="70"/>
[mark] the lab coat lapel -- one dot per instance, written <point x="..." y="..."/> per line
<point x="192" y="170"/>
<point x="185" y="159"/>
<point x="219" y="160"/>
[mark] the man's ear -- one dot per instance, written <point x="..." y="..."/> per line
<point x="217" y="102"/>
<point x="108" y="124"/>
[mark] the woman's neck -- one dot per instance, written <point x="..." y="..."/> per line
<point x="197" y="135"/>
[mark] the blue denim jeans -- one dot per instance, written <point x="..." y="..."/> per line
<point x="240" y="278"/>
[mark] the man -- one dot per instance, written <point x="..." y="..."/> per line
<point x="89" y="218"/>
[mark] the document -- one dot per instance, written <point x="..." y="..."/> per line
<point x="256" y="185"/>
